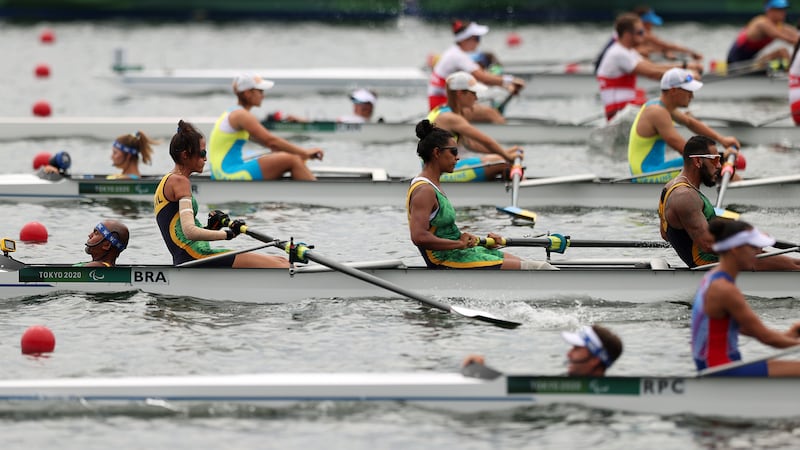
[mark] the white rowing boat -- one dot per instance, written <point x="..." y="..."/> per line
<point x="645" y="280"/>
<point x="356" y="188"/>
<point x="737" y="398"/>
<point x="107" y="128"/>
<point x="409" y="79"/>
<point x="519" y="130"/>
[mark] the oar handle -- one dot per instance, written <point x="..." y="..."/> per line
<point x="727" y="173"/>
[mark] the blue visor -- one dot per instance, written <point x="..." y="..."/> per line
<point x="651" y="17"/>
<point x="776" y="4"/>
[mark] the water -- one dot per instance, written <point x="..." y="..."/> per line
<point x="138" y="334"/>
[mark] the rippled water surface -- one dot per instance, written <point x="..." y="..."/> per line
<point x="138" y="334"/>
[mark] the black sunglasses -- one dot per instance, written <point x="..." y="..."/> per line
<point x="453" y="150"/>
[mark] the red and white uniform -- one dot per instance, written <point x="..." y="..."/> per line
<point x="454" y="59"/>
<point x="794" y="90"/>
<point x="617" y="80"/>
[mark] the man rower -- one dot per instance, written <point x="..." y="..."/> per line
<point x="760" y="32"/>
<point x="654" y="128"/>
<point x="594" y="349"/>
<point x="621" y="63"/>
<point x="106" y="241"/>
<point x="458" y="58"/>
<point x="654" y="44"/>
<point x="684" y="211"/>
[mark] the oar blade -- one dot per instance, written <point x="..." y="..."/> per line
<point x="518" y="213"/>
<point x="726" y="214"/>
<point x="485" y="317"/>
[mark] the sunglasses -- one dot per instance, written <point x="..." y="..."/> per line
<point x="705" y="156"/>
<point x="453" y="150"/>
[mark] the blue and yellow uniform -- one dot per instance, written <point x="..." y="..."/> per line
<point x="683" y="244"/>
<point x="443" y="224"/>
<point x="225" y="147"/>
<point x="460" y="174"/>
<point x="716" y="341"/>
<point x="182" y="248"/>
<point x="646" y="154"/>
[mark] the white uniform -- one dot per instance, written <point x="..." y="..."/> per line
<point x="616" y="78"/>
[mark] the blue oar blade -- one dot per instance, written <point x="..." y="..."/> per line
<point x="518" y="212"/>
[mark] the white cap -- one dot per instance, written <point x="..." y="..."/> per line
<point x="473" y="29"/>
<point x="679" y="78"/>
<point x="586" y="337"/>
<point x="463" y="81"/>
<point x="247" y="81"/>
<point x="363" y="96"/>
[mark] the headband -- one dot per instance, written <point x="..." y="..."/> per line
<point x="109" y="236"/>
<point x="125" y="149"/>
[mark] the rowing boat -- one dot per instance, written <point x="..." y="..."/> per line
<point x="520" y="129"/>
<point x="409" y="79"/>
<point x="357" y="188"/>
<point x="645" y="280"/>
<point x="739" y="398"/>
<point x="529" y="130"/>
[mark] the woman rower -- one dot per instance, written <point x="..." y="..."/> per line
<point x="236" y="125"/>
<point x="126" y="152"/>
<point x="176" y="210"/>
<point x="720" y="311"/>
<point x="462" y="94"/>
<point x="431" y="217"/>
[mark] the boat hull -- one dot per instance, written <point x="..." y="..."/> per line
<point x="402" y="80"/>
<point x="737" y="398"/>
<point x="635" y="281"/>
<point x="369" y="189"/>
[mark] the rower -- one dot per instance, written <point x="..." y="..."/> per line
<point x="654" y="44"/>
<point x="720" y="311"/>
<point x="684" y="211"/>
<point x="237" y="125"/>
<point x="126" y="152"/>
<point x="363" y="106"/>
<point x="431" y="217"/>
<point x="175" y="209"/>
<point x="654" y="128"/>
<point x="620" y="63"/>
<point x="594" y="349"/>
<point x="462" y="94"/>
<point x="759" y="32"/>
<point x="458" y="58"/>
<point x="105" y="243"/>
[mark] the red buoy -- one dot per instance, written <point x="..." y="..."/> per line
<point x="33" y="232"/>
<point x="37" y="339"/>
<point x="741" y="162"/>
<point x="42" y="109"/>
<point x="47" y="36"/>
<point x="513" y="39"/>
<point x="42" y="71"/>
<point x="41" y="159"/>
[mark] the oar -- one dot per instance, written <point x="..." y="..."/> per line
<point x="303" y="252"/>
<point x="514" y="210"/>
<point x="647" y="174"/>
<point x="206" y="260"/>
<point x="502" y="106"/>
<point x="555" y="242"/>
<point x="737" y="364"/>
<point x="727" y="173"/>
<point x="784" y="248"/>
